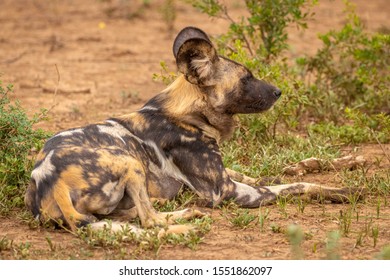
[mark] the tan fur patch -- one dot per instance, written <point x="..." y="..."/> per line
<point x="117" y="164"/>
<point x="187" y="127"/>
<point x="182" y="97"/>
<point x="71" y="178"/>
<point x="137" y="119"/>
<point x="154" y="190"/>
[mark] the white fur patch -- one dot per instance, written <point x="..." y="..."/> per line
<point x="148" y="108"/>
<point x="44" y="170"/>
<point x="243" y="190"/>
<point x="184" y="138"/>
<point x="69" y="132"/>
<point x="117" y="130"/>
<point x="109" y="187"/>
<point x="168" y="167"/>
<point x="202" y="66"/>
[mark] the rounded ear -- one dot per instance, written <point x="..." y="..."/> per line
<point x="195" y="55"/>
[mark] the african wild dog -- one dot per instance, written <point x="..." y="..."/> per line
<point x="115" y="167"/>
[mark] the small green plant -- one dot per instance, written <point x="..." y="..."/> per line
<point x="345" y="221"/>
<point x="295" y="236"/>
<point x="52" y="246"/>
<point x="375" y="235"/>
<point x="5" y="244"/>
<point x="300" y="203"/>
<point x="18" y="142"/>
<point x="359" y="239"/>
<point x="314" y="247"/>
<point x="19" y="251"/>
<point x="22" y="251"/>
<point x="275" y="228"/>
<point x="378" y="208"/>
<point x="166" y="205"/>
<point x="332" y="246"/>
<point x="203" y="225"/>
<point x="282" y="202"/>
<point x="166" y="76"/>
<point x="384" y="253"/>
<point x="240" y="218"/>
<point x="263" y="217"/>
<point x="190" y="240"/>
<point x="184" y="198"/>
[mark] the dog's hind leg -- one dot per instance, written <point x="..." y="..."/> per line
<point x="136" y="187"/>
<point x="63" y="202"/>
<point x="135" y="182"/>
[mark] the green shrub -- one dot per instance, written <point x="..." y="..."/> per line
<point x="349" y="70"/>
<point x="17" y="141"/>
<point x="267" y="22"/>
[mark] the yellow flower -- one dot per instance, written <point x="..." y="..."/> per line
<point x="102" y="25"/>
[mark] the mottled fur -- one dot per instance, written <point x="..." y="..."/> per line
<point x="113" y="168"/>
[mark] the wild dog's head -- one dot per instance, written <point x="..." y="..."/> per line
<point x="231" y="88"/>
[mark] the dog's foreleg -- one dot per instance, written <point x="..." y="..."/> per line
<point x="248" y="196"/>
<point x="181" y="214"/>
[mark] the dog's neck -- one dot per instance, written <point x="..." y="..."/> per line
<point x="188" y="104"/>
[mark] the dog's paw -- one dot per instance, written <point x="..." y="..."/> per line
<point x="348" y="195"/>
<point x="176" y="229"/>
<point x="191" y="213"/>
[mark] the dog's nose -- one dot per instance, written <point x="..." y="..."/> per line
<point x="277" y="93"/>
